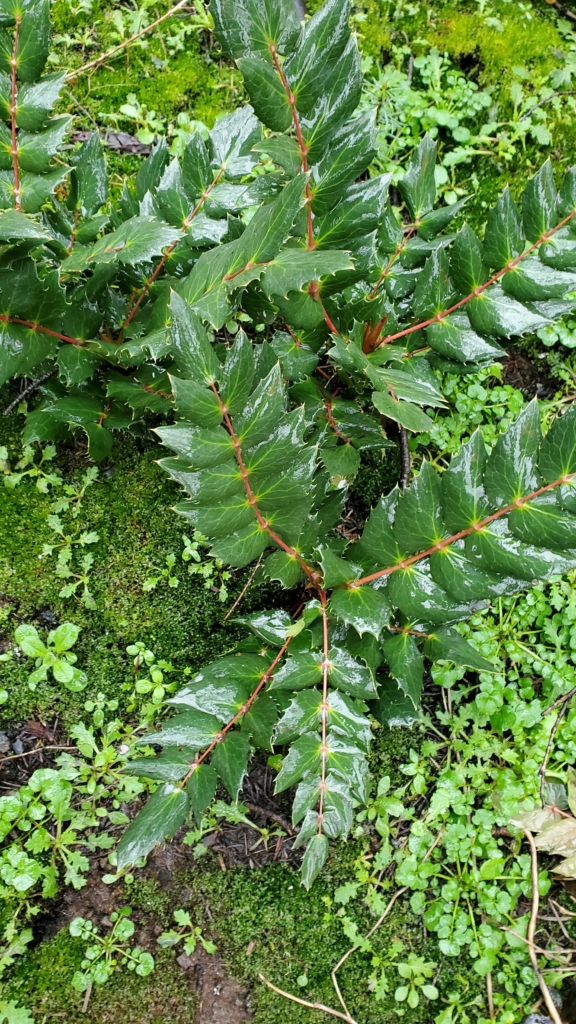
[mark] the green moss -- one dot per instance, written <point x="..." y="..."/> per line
<point x="42" y="982"/>
<point x="131" y="511"/>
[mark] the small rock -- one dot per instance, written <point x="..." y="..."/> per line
<point x="18" y="747"/>
<point x="4" y="743"/>
<point x="537" y="1018"/>
<point x="184" y="961"/>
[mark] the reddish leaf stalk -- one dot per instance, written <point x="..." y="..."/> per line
<point x="262" y="522"/>
<point x="74" y="228"/>
<point x="401" y="245"/>
<point x="439" y="317"/>
<point x="301" y="143"/>
<point x="13" y="94"/>
<point x="324" y="710"/>
<point x="168" y="252"/>
<point x="332" y="421"/>
<point x="475" y="528"/>
<point x="5" y="319"/>
<point x="267" y="676"/>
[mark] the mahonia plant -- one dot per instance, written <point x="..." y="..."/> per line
<point x="358" y="309"/>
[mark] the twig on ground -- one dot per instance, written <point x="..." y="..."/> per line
<point x="550" y="1006"/>
<point x="87" y="997"/>
<point x="35" y="750"/>
<point x="304" y="1002"/>
<point x="245" y="589"/>
<point x="93" y="64"/>
<point x="405" y="455"/>
<point x="28" y="390"/>
<point x="353" y="948"/>
<point x="278" y="818"/>
<point x="490" y="996"/>
<point x="563" y="703"/>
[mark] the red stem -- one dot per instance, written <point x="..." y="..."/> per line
<point x="301" y="143"/>
<point x="239" y="714"/>
<point x="438" y="317"/>
<point x="332" y="421"/>
<point x="168" y="252"/>
<point x="323" y="710"/>
<point x="312" y="575"/>
<point x="442" y="544"/>
<point x="5" y="319"/>
<point x="13" y="94"/>
<point x="401" y="245"/>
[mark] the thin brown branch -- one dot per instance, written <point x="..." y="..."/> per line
<point x="266" y="677"/>
<point x="304" y="1002"/>
<point x="332" y="421"/>
<point x="323" y="709"/>
<point x="244" y="589"/>
<point x="490" y="996"/>
<point x="550" y="1006"/>
<point x="559" y="701"/>
<point x="33" y="386"/>
<point x="369" y="935"/>
<point x="170" y="249"/>
<point x="439" y="317"/>
<point x="405" y="458"/>
<point x="93" y="64"/>
<point x="262" y="522"/>
<point x="28" y="753"/>
<point x="476" y="527"/>
<point x="549" y="746"/>
<point x="311" y="244"/>
<point x="13" y="108"/>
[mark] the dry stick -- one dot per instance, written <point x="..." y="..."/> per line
<point x="532" y="931"/>
<point x="323" y="709"/>
<point x="243" y="591"/>
<point x="441" y="544"/>
<point x="559" y="701"/>
<point x="168" y="252"/>
<point x="262" y="522"/>
<point x="304" y="1002"/>
<point x="405" y="456"/>
<point x="353" y="948"/>
<point x="87" y="997"/>
<point x="35" y="750"/>
<point x="439" y="317"/>
<point x="239" y="714"/>
<point x="93" y="64"/>
<point x="550" y="744"/>
<point x="490" y="996"/>
<point x="28" y="391"/>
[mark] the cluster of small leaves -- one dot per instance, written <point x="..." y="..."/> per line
<point x="54" y="656"/>
<point x="13" y="943"/>
<point x="105" y="953"/>
<point x="187" y="934"/>
<point x="50" y="825"/>
<point x="473" y="777"/>
<point x="30" y="466"/>
<point x="148" y="680"/>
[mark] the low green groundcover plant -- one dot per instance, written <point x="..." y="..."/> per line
<point x="276" y="312"/>
<point x="349" y="306"/>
